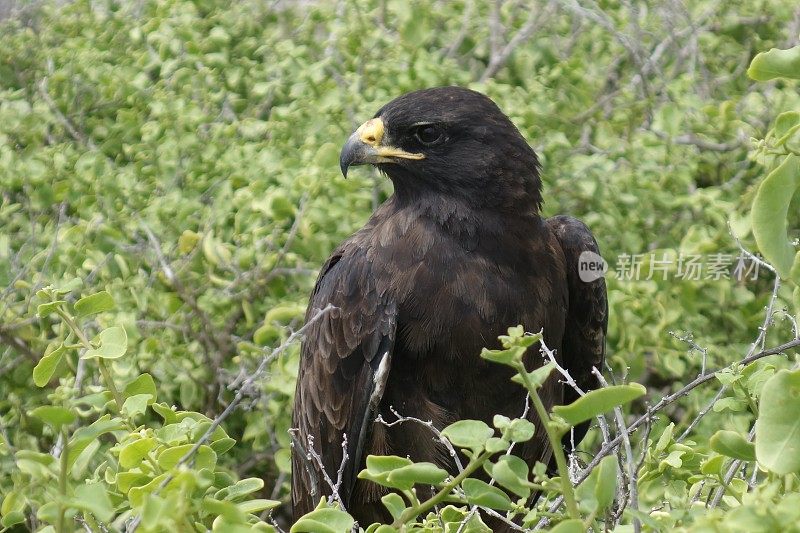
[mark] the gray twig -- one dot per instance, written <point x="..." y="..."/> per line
<point x="633" y="472"/>
<point x="500" y="56"/>
<point x="611" y="446"/>
<point x="243" y="389"/>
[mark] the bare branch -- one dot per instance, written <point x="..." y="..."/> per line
<point x="633" y="472"/>
<point x="71" y="129"/>
<point x="568" y="379"/>
<point x="690" y="139"/>
<point x="611" y="446"/>
<point x="314" y="460"/>
<point x="499" y="58"/>
<point x="428" y="424"/>
<point x="693" y="346"/>
<point x="469" y="10"/>
<point x="726" y="480"/>
<point x="243" y="389"/>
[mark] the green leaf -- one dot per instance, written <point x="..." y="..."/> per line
<point x="324" y="520"/>
<point x="154" y="511"/>
<point x="727" y="377"/>
<point x="136" y="404"/>
<point x="81" y="463"/>
<point x="113" y="344"/>
<point x="143" y="384"/>
<point x="227" y="510"/>
<point x="770" y="212"/>
<point x="776" y="64"/>
<point x="48" y="513"/>
<point x="138" y="493"/>
<point x="668" y="119"/>
<point x="53" y="415"/>
<point x="598" y="401"/>
<point x="665" y="439"/>
<point x="93" y="498"/>
<point x="713" y="465"/>
<point x="729" y="404"/>
<point x="85" y="435"/>
<point x="132" y="454"/>
<point x="453" y="517"/>
<point x="69" y="286"/>
<point x="796" y="300"/>
<point x="732" y="444"/>
<point x="12" y="518"/>
<point x="188" y="392"/>
<point x="240" y="489"/>
<point x="517" y="337"/>
<point x="569" y="526"/>
<point x="501" y="422"/>
<point x="39" y="457"/>
<point x="785" y="126"/>
<point x="407" y="476"/>
<point x="35" y="464"/>
<point x="94" y="303"/>
<point x="512" y="473"/>
<point x="380" y="468"/>
<point x="47" y="366"/>
<point x="605" y="488"/>
<point x="468" y="433"/>
<point x="127" y="480"/>
<point x="13" y="501"/>
<point x="188" y="240"/>
<point x="520" y="430"/>
<point x="538" y="377"/>
<point x="257" y="505"/>
<point x="380" y="528"/>
<point x="778" y="426"/>
<point x="674" y="459"/>
<point x="510" y="356"/>
<point x="496" y="444"/>
<point x="169" y="415"/>
<point x="395" y="504"/>
<point x="383" y="464"/>
<point x="203" y="458"/>
<point x="49" y="308"/>
<point x="597" y="491"/>
<point x="481" y="493"/>
<point x="222" y="445"/>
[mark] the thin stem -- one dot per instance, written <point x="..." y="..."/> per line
<point x="555" y="444"/>
<point x="726" y="483"/>
<point x="443" y="493"/>
<point x="104" y="370"/>
<point x="591" y="519"/>
<point x="750" y="401"/>
<point x="91" y="522"/>
<point x="62" y="481"/>
<point x="109" y="379"/>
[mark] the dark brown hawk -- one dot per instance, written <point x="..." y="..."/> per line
<point x="453" y="258"/>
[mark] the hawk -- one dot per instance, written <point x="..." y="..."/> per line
<point x="455" y="256"/>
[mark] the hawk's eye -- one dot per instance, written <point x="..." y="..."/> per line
<point x="428" y="134"/>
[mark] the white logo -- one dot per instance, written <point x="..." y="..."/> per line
<point x="591" y="266"/>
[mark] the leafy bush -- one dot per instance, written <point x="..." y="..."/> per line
<point x="169" y="188"/>
<point x="166" y="476"/>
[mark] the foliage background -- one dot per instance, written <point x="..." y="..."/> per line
<point x="182" y="155"/>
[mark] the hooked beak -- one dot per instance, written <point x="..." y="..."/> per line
<point x="364" y="147"/>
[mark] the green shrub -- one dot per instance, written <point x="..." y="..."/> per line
<point x="178" y="159"/>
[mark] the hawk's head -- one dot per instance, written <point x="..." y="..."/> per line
<point x="450" y="140"/>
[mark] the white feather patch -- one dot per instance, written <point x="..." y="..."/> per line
<point x="380" y="381"/>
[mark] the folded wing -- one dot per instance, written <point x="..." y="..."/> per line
<point x="344" y="364"/>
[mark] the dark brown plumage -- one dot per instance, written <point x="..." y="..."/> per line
<point x="457" y="255"/>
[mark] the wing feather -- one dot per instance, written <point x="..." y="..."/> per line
<point x="584" y="343"/>
<point x="344" y="364"/>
